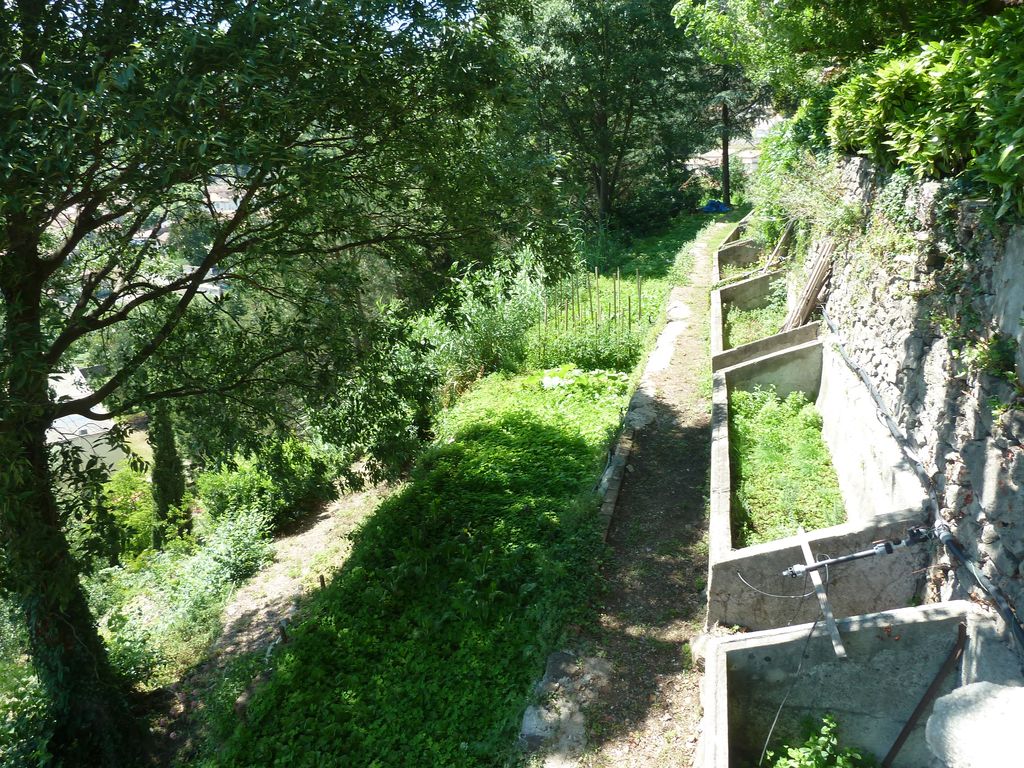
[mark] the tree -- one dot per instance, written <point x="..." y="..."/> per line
<point x="347" y="140"/>
<point x="784" y="45"/>
<point x="618" y="91"/>
<point x="740" y="106"/>
<point x="168" y="471"/>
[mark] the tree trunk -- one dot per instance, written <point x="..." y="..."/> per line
<point x="93" y="725"/>
<point x="602" y="168"/>
<point x="726" y="194"/>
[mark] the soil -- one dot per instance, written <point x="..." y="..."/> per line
<point x="653" y="601"/>
<point x="252" y="618"/>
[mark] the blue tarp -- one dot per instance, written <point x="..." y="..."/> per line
<point x="716" y="206"/>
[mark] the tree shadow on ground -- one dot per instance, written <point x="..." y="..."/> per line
<point x="426" y="642"/>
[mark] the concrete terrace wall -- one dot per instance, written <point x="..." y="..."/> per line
<point x="881" y="494"/>
<point x="893" y="321"/>
<point x="892" y="658"/>
<point x="738" y="253"/>
<point x="751" y="293"/>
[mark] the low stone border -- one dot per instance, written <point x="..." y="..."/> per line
<point x="611" y="481"/>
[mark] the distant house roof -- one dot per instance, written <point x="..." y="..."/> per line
<point x="72" y="386"/>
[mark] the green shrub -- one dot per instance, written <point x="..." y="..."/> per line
<point x="782" y="473"/>
<point x="280" y="483"/>
<point x="591" y="347"/>
<point x="424" y="647"/>
<point x="158" y="614"/>
<point x="951" y="106"/>
<point x="792" y="183"/>
<point x="128" y="496"/>
<point x="26" y="725"/>
<point x="489" y="334"/>
<point x="821" y="750"/>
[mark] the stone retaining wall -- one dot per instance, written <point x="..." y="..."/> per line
<point x="900" y="319"/>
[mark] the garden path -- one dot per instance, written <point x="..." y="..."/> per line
<point x="251" y="618"/>
<point x="653" y="603"/>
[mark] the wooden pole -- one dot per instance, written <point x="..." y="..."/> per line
<point x="639" y="297"/>
<point x="629" y="312"/>
<point x="590" y="298"/>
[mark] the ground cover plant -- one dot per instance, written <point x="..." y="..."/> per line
<point x="782" y="474"/>
<point x="423" y="648"/>
<point x="821" y="749"/>
<point x="742" y="326"/>
<point x="944" y="108"/>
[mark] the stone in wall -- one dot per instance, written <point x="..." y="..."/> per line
<point x="893" y="315"/>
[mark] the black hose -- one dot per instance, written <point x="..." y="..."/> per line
<point x="995" y="594"/>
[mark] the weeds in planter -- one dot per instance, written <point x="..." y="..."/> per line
<point x="820" y="750"/>
<point x="782" y="474"/>
<point x="742" y="326"/>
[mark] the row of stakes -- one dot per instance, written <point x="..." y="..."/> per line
<point x="584" y="303"/>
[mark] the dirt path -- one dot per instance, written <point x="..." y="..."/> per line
<point x="253" y="614"/>
<point x="653" y="602"/>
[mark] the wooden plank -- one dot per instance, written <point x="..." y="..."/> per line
<point x="819" y="588"/>
<point x="782" y="247"/>
<point x="820" y="269"/>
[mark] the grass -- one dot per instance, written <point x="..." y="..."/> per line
<point x="423" y="648"/>
<point x="742" y="326"/>
<point x="782" y="474"/>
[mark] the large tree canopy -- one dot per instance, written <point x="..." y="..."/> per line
<point x="619" y="94"/>
<point x="330" y="157"/>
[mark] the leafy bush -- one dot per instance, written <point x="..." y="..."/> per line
<point x="279" y="483"/>
<point x="158" y="614"/>
<point x="909" y="110"/>
<point x="423" y="648"/>
<point x="949" y="107"/>
<point x="782" y="473"/>
<point x="129" y="498"/>
<point x="821" y="750"/>
<point x="489" y="334"/>
<point x="793" y="183"/>
<point x="25" y="721"/>
<point x="591" y="347"/>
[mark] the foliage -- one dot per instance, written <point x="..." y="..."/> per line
<point x="949" y="106"/>
<point x="168" y="476"/>
<point x="424" y="646"/>
<point x="128" y="497"/>
<point x="279" y="483"/>
<point x="909" y="111"/>
<point x="619" y="97"/>
<point x="26" y="723"/>
<point x="742" y="326"/>
<point x="159" y="613"/>
<point x="782" y="474"/>
<point x="328" y="162"/>
<point x="792" y="183"/>
<point x="489" y="333"/>
<point x="821" y="750"/>
<point x="995" y="355"/>
<point x="787" y="43"/>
